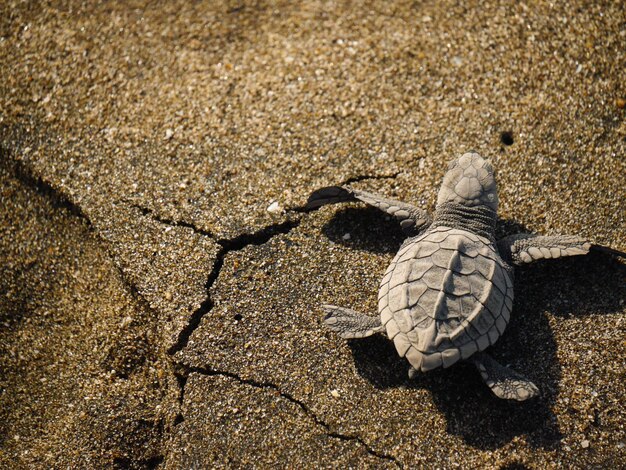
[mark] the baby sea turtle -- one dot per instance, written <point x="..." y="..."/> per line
<point x="448" y="293"/>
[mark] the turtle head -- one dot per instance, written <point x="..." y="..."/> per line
<point x="469" y="182"/>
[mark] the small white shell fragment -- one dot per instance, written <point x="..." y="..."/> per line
<point x="584" y="444"/>
<point x="335" y="393"/>
<point x="346" y="236"/>
<point x="169" y="133"/>
<point x="274" y="208"/>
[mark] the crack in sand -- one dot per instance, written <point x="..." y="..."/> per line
<point x="25" y="176"/>
<point x="287" y="396"/>
<point x="227" y="245"/>
<point x="148" y="212"/>
<point x="237" y="243"/>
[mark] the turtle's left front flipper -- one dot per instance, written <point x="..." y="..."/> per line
<point x="526" y="248"/>
<point x="411" y="218"/>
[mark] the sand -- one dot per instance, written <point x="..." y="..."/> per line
<point x="161" y="292"/>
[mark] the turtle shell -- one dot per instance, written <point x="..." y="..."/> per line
<point x="446" y="295"/>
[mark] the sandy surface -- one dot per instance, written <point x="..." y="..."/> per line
<point x="155" y="313"/>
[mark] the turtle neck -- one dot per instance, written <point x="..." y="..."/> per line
<point x="480" y="220"/>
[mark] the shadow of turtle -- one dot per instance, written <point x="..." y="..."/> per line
<point x="471" y="410"/>
<point x="369" y="229"/>
<point x="570" y="286"/>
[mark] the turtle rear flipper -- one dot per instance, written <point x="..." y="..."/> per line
<point x="503" y="382"/>
<point x="350" y="324"/>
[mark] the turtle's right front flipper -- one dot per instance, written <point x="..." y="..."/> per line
<point x="350" y="324"/>
<point x="411" y="218"/>
<point x="525" y="248"/>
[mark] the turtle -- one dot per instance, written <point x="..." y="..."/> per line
<point x="448" y="294"/>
